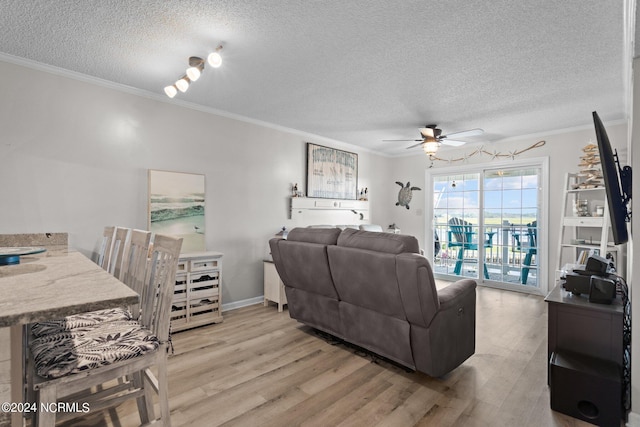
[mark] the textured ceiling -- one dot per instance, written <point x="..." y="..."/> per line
<point x="356" y="71"/>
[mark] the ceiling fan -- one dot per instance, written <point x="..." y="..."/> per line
<point x="432" y="138"/>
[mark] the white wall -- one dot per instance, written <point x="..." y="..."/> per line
<point x="634" y="417"/>
<point x="563" y="150"/>
<point x="74" y="157"/>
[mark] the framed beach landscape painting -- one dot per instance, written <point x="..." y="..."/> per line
<point x="176" y="207"/>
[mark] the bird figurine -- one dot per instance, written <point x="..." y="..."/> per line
<point x="405" y="194"/>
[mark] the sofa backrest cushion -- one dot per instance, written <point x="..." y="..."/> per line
<point x="384" y="272"/>
<point x="379" y="242"/>
<point x="324" y="236"/>
<point x="301" y="260"/>
<point x="367" y="279"/>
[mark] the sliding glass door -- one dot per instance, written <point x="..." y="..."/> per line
<point x="488" y="224"/>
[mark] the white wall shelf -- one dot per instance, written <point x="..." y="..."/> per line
<point x="585" y="233"/>
<point x="313" y="211"/>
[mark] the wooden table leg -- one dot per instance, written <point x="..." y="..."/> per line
<point x="17" y="369"/>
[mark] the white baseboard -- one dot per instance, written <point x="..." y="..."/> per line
<point x="633" y="419"/>
<point x="242" y="303"/>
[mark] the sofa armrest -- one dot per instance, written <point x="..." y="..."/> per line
<point x="451" y="333"/>
<point x="449" y="295"/>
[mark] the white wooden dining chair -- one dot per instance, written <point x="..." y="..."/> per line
<point x="104" y="255"/>
<point x="118" y="251"/>
<point x="132" y="273"/>
<point x="69" y="365"/>
<point x="135" y="265"/>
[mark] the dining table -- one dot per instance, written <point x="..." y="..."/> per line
<point x="45" y="286"/>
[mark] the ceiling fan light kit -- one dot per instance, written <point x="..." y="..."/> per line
<point x="431" y="147"/>
<point x="432" y="138"/>
<point x="193" y="73"/>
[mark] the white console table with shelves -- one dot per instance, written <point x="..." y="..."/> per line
<point x="197" y="298"/>
<point x="273" y="286"/>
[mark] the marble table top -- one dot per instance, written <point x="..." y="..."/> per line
<point x="20" y="250"/>
<point x="55" y="285"/>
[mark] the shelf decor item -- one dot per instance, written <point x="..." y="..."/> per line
<point x="331" y="173"/>
<point x="590" y="172"/>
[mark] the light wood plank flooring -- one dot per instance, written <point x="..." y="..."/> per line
<point x="261" y="368"/>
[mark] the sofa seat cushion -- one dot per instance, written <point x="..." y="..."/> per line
<point x="379" y="242"/>
<point x="87" y="348"/>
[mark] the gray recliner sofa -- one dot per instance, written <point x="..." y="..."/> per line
<point x="374" y="290"/>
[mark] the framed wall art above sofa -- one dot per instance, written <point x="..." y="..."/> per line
<point x="331" y="173"/>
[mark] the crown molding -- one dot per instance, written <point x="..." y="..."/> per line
<point x="62" y="72"/>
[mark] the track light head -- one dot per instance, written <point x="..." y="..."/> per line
<point x="183" y="84"/>
<point x="171" y="91"/>
<point x="215" y="59"/>
<point x="196" y="66"/>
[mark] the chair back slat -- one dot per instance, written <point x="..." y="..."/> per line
<point x="158" y="292"/>
<point x="460" y="229"/>
<point x="135" y="264"/>
<point x="104" y="256"/>
<point x="118" y="248"/>
<point x="532" y="231"/>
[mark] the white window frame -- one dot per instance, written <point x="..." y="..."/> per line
<point x="543" y="230"/>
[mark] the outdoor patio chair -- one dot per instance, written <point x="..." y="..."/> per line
<point x="529" y="250"/>
<point x="461" y="236"/>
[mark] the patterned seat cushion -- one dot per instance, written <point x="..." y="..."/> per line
<point x="90" y="347"/>
<point x="81" y="320"/>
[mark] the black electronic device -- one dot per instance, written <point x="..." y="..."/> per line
<point x="577" y="283"/>
<point x="586" y="388"/>
<point x="601" y="290"/>
<point x="597" y="265"/>
<point x="617" y="182"/>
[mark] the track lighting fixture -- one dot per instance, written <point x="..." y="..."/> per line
<point x="193" y="73"/>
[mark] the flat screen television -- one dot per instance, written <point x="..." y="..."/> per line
<point x="617" y="182"/>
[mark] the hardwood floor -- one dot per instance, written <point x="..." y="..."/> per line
<point x="261" y="368"/>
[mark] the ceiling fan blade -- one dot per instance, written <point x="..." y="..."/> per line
<point x="401" y="140"/>
<point x="452" y="142"/>
<point x="415" y="145"/>
<point x="464" y="133"/>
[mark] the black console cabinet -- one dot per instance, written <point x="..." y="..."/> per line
<point x="595" y="331"/>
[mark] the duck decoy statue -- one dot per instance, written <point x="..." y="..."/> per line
<point x="405" y="194"/>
